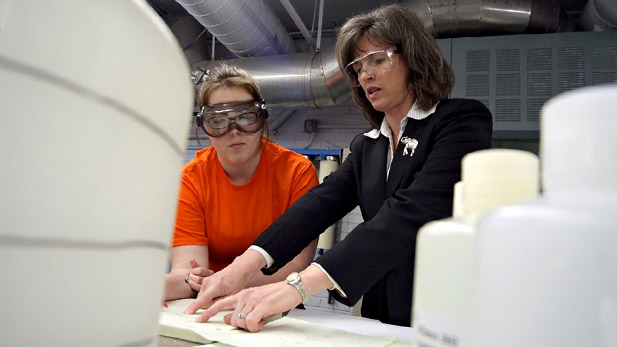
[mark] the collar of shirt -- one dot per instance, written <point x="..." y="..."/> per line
<point x="413" y="113"/>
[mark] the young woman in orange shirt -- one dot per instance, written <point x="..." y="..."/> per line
<point x="234" y="189"/>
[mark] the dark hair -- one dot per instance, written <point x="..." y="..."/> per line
<point x="431" y="77"/>
<point x="228" y="76"/>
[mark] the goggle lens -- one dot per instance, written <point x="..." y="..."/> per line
<point x="374" y="63"/>
<point x="218" y="120"/>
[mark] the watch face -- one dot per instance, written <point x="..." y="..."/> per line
<point x="292" y="276"/>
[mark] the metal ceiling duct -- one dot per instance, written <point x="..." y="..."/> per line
<point x="314" y="79"/>
<point x="246" y="28"/>
<point x="599" y="15"/>
<point x="455" y="18"/>
<point x="295" y="80"/>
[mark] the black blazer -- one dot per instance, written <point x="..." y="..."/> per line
<point x="376" y="259"/>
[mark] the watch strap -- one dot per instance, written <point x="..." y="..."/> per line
<point x="297" y="283"/>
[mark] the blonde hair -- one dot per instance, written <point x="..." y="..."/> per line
<point x="228" y="76"/>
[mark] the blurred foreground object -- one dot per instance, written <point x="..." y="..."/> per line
<point x="546" y="270"/>
<point x="96" y="107"/>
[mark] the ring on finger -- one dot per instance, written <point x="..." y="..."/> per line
<point x="242" y="315"/>
<point x="186" y="280"/>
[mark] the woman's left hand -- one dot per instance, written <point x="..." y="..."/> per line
<point x="253" y="305"/>
<point x="197" y="275"/>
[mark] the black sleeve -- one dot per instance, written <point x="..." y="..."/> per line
<point x="378" y="245"/>
<point x="310" y="215"/>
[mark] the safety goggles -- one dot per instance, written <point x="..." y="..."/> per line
<point x="247" y="116"/>
<point x="374" y="63"/>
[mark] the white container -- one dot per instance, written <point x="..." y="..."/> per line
<point x="442" y="299"/>
<point x="326" y="166"/>
<point x="96" y="106"/>
<point x="546" y="270"/>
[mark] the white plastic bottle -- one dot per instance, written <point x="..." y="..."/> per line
<point x="442" y="300"/>
<point x="326" y="167"/>
<point x="96" y="104"/>
<point x="546" y="270"/>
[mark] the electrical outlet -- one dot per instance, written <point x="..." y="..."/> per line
<point x="310" y="125"/>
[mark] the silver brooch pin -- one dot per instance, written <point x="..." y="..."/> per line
<point x="410" y="145"/>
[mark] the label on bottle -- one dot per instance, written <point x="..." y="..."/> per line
<point x="436" y="330"/>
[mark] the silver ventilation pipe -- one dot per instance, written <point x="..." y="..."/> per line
<point x="246" y="28"/>
<point x="599" y="15"/>
<point x="314" y="79"/>
<point x="481" y="17"/>
<point x="295" y="80"/>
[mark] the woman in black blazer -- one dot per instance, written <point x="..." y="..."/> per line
<point x="401" y="173"/>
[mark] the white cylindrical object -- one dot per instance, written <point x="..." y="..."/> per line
<point x="496" y="177"/>
<point x="92" y="136"/>
<point x="578" y="145"/>
<point x="442" y="309"/>
<point x="546" y="270"/>
<point x="326" y="167"/>
<point x="546" y="273"/>
<point x="442" y="298"/>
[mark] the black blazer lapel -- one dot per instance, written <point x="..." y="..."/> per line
<point x="374" y="159"/>
<point x="404" y="154"/>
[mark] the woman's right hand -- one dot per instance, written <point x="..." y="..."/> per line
<point x="197" y="275"/>
<point x="228" y="281"/>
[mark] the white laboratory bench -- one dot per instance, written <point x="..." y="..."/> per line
<point x="328" y="318"/>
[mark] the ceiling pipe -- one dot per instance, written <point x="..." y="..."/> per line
<point x="246" y="28"/>
<point x="599" y="15"/>
<point x="446" y="19"/>
<point x="276" y="123"/>
<point x="319" y="26"/>
<point x="295" y="80"/>
<point x="314" y="79"/>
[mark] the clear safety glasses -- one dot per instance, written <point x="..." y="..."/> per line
<point x="374" y="63"/>
<point x="218" y="120"/>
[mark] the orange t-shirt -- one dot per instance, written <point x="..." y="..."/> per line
<point x="227" y="218"/>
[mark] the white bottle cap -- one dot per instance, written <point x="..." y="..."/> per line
<point x="496" y="177"/>
<point x="579" y="139"/>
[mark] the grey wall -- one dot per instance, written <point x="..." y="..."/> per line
<point x="512" y="75"/>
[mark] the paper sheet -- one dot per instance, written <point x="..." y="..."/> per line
<point x="283" y="332"/>
<point x="352" y="324"/>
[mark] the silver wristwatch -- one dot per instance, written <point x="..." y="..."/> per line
<point x="294" y="280"/>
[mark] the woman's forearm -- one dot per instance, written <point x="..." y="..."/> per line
<point x="299" y="263"/>
<point x="315" y="280"/>
<point x="176" y="287"/>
